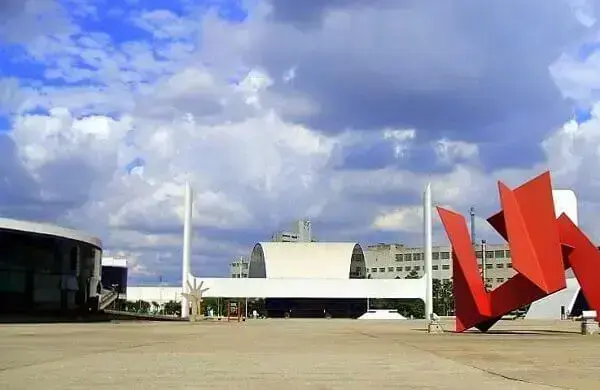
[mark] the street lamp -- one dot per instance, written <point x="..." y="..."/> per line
<point x="483" y="265"/>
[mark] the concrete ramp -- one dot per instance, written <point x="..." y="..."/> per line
<point x="385" y="314"/>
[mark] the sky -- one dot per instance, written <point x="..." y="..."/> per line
<point x="275" y="110"/>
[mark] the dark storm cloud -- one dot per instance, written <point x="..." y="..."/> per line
<point x="369" y="155"/>
<point x="468" y="69"/>
<point x="19" y="193"/>
<point x="381" y="153"/>
<point x="509" y="155"/>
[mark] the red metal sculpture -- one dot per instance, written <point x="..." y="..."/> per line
<point x="542" y="247"/>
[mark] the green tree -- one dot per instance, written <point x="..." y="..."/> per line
<point x="142" y="306"/>
<point x="413" y="274"/>
<point x="172" y="308"/>
<point x="443" y="297"/>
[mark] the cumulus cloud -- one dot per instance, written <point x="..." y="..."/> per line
<point x="335" y="111"/>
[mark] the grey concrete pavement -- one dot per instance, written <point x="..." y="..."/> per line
<point x="295" y="354"/>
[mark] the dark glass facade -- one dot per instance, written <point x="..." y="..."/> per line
<point x="114" y="277"/>
<point x="42" y="273"/>
<point x="315" y="307"/>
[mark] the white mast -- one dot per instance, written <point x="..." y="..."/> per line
<point x="427" y="233"/>
<point x="187" y="246"/>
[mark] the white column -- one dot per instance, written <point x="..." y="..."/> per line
<point x="427" y="232"/>
<point x="187" y="247"/>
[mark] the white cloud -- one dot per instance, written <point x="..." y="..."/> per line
<point x="408" y="219"/>
<point x="252" y="167"/>
<point x="401" y="140"/>
<point x="449" y="151"/>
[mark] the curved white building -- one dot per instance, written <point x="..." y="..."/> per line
<point x="46" y="267"/>
<point x="307" y="260"/>
<point x="299" y="278"/>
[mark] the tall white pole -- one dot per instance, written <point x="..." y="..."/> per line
<point x="187" y="247"/>
<point x="427" y="232"/>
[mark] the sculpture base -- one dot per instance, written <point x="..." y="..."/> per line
<point x="435" y="328"/>
<point x="196" y="318"/>
<point x="589" y="327"/>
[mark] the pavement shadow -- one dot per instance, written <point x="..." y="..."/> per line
<point x="530" y="332"/>
<point x="54" y="319"/>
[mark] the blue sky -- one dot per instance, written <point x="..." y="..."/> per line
<point x="275" y="110"/>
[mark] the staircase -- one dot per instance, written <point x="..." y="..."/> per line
<point x="107" y="297"/>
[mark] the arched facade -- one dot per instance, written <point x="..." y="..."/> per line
<point x="310" y="260"/>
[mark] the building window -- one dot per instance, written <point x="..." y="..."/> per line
<point x="489" y="254"/>
<point x="244" y="275"/>
<point x="417" y="268"/>
<point x="417" y="257"/>
<point x="445" y="255"/>
<point x="488" y="280"/>
<point x="434" y="267"/>
<point x="499" y="254"/>
<point x="398" y="269"/>
<point x="407" y="268"/>
<point x="508" y="254"/>
<point x="373" y="269"/>
<point x="500" y="265"/>
<point x="508" y="265"/>
<point x="435" y="256"/>
<point x="500" y="280"/>
<point x="445" y="266"/>
<point x="245" y="265"/>
<point x="478" y="254"/>
<point x="399" y="257"/>
<point x="407" y="257"/>
<point x="73" y="259"/>
<point x="390" y="269"/>
<point x="489" y="266"/>
<point x="382" y="269"/>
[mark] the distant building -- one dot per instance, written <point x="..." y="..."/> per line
<point x="390" y="261"/>
<point x="301" y="232"/>
<point x="239" y="268"/>
<point x="114" y="274"/>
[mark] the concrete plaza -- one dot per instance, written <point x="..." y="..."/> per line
<point x="295" y="354"/>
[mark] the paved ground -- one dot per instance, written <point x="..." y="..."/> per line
<point x="296" y="354"/>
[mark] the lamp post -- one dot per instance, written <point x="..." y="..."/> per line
<point x="483" y="265"/>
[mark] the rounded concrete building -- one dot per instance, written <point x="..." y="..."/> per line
<point x="47" y="268"/>
<point x="309" y="260"/>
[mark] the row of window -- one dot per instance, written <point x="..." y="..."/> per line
<point x="434" y="267"/>
<point x="399" y="269"/>
<point x="495" y="254"/>
<point x="239" y="275"/>
<point x="499" y="265"/>
<point x="237" y="265"/>
<point x="421" y="256"/>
